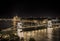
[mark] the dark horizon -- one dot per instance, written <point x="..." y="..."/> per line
<point x="28" y="9"/>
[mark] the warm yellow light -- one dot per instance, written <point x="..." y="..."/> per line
<point x="15" y="33"/>
<point x="35" y="21"/>
<point x="44" y="21"/>
<point x="28" y="33"/>
<point x="5" y="36"/>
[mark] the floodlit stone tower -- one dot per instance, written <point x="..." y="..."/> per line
<point x="17" y="25"/>
<point x="15" y="20"/>
<point x="49" y="23"/>
<point x="19" y="29"/>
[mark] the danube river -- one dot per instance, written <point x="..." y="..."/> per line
<point x="49" y="34"/>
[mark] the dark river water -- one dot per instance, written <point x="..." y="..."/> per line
<point x="49" y="34"/>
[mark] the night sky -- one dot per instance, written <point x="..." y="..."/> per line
<point x="26" y="8"/>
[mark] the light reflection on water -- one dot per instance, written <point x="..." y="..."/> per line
<point x="40" y="35"/>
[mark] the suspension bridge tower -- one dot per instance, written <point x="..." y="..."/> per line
<point x="15" y="20"/>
